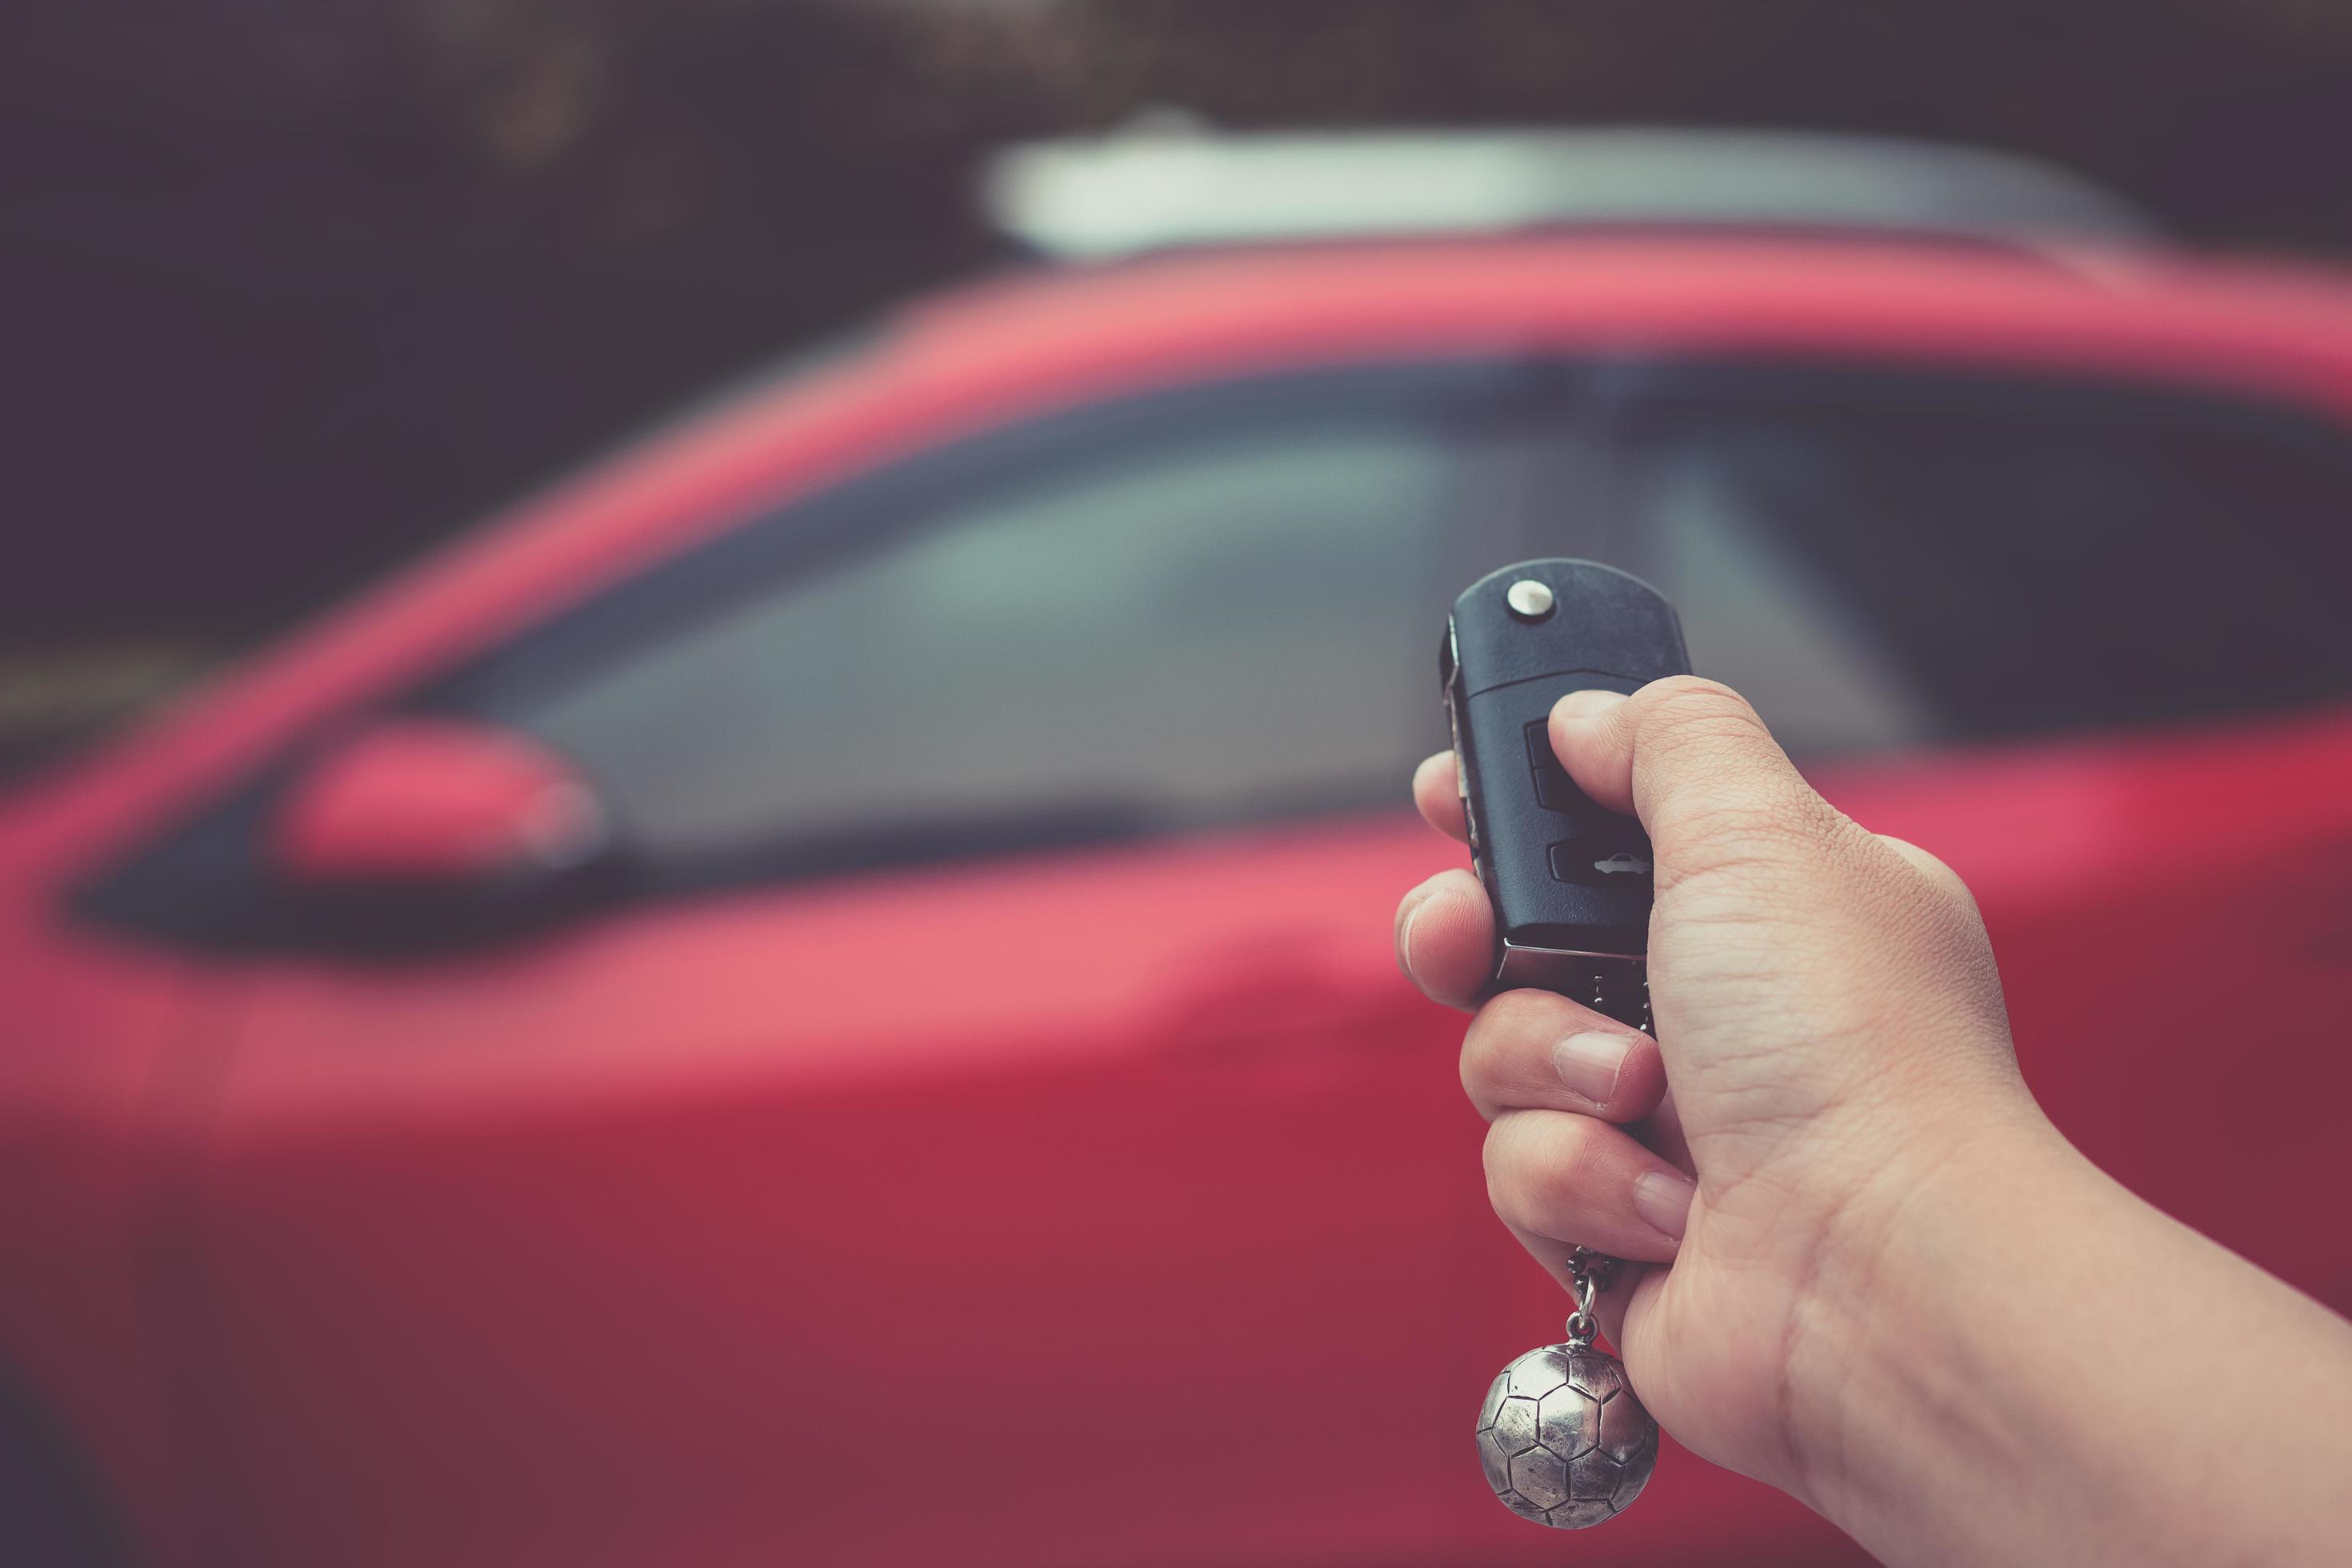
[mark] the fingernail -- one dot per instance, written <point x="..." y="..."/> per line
<point x="1587" y="704"/>
<point x="1404" y="938"/>
<point x="1589" y="1064"/>
<point x="1662" y="1200"/>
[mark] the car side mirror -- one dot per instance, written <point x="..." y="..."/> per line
<point x="420" y="832"/>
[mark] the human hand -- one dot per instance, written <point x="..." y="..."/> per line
<point x="1831" y="1042"/>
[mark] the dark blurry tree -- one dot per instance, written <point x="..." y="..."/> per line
<point x="289" y="290"/>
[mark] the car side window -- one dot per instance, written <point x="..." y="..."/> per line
<point x="1230" y="619"/>
<point x="1984" y="561"/>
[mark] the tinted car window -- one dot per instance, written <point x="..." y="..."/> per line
<point x="1973" y="561"/>
<point x="1190" y="627"/>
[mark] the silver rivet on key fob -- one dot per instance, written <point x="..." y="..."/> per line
<point x="1529" y="599"/>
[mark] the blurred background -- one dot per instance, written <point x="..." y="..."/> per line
<point x="292" y="291"/>
<point x="819" y="988"/>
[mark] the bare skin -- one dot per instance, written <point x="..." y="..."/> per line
<point x="1878" y="1277"/>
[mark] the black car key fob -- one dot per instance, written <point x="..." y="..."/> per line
<point x="1570" y="880"/>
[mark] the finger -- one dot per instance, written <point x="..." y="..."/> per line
<point x="1569" y="1178"/>
<point x="1445" y="938"/>
<point x="1533" y="1050"/>
<point x="1683" y="754"/>
<point x="1661" y="1130"/>
<point x="1437" y="792"/>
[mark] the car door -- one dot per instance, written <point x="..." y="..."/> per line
<point x="2087" y="641"/>
<point x="991" y="1128"/>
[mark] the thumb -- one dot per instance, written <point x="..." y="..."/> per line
<point x="1696" y="763"/>
<point x="1787" y="943"/>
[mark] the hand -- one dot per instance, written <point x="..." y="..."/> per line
<point x="1830" y="1038"/>
<point x="1878" y="1278"/>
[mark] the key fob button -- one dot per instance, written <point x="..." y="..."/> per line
<point x="1602" y="860"/>
<point x="1555" y="791"/>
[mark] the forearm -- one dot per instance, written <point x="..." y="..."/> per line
<point x="2042" y="1368"/>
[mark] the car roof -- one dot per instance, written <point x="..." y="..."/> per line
<point x="1169" y="182"/>
<point x="1621" y="289"/>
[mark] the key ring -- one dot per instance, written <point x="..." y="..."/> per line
<point x="1588" y="1275"/>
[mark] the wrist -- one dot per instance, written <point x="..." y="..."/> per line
<point x="2008" y="1358"/>
<point x="1894" y="1346"/>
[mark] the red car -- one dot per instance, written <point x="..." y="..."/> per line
<point x="822" y="993"/>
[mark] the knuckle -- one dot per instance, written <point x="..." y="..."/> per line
<point x="1718" y="775"/>
<point x="1764" y="830"/>
<point x="1949" y="886"/>
<point x="1497" y="1035"/>
<point x="1517" y="1013"/>
<point x="1934" y="881"/>
<point x="1495" y="1157"/>
<point x="1478" y="1068"/>
<point x="1691" y="703"/>
<point x="1953" y="896"/>
<point x="1535" y="1164"/>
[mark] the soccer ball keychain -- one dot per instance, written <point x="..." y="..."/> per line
<point x="1561" y="1437"/>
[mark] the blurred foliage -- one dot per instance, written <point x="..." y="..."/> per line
<point x="292" y="287"/>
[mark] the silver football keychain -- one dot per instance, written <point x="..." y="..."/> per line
<point x="1561" y="1437"/>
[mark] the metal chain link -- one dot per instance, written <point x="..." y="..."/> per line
<point x="1587" y="1273"/>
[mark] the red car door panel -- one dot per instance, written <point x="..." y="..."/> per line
<point x="2167" y="909"/>
<point x="693" y="1236"/>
